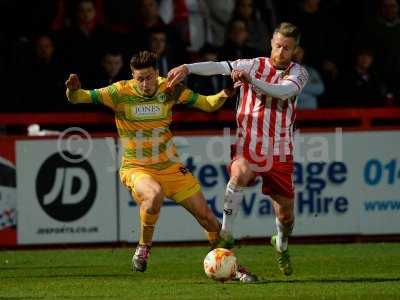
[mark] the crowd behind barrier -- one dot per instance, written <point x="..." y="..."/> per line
<point x="353" y="62"/>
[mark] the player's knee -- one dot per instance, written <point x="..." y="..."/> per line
<point x="241" y="173"/>
<point x="153" y="199"/>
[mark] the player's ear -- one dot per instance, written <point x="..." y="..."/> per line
<point x="272" y="40"/>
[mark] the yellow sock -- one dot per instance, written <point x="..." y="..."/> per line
<point x="212" y="237"/>
<point x="147" y="224"/>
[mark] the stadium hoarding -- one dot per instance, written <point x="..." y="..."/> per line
<point x="346" y="183"/>
<point x="66" y="191"/>
<point x="334" y="179"/>
<point x="8" y="192"/>
<point x="378" y="178"/>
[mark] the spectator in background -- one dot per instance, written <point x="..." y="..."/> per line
<point x="362" y="86"/>
<point x="110" y="71"/>
<point x="82" y="43"/>
<point x="52" y="15"/>
<point x="45" y="67"/>
<point x="119" y="15"/>
<point x="147" y="19"/>
<point x="314" y="87"/>
<point x="220" y="15"/>
<point x="207" y="84"/>
<point x="268" y="12"/>
<point x="59" y="19"/>
<point x="191" y="19"/>
<point x="308" y="17"/>
<point x="258" y="32"/>
<point x="331" y="78"/>
<point x="147" y="16"/>
<point x="383" y="37"/>
<point x="166" y="58"/>
<point x="236" y="46"/>
<point x="199" y="24"/>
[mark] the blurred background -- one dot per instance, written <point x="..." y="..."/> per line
<point x="350" y="48"/>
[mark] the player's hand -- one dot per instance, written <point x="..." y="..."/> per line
<point x="229" y="92"/>
<point x="73" y="82"/>
<point x="176" y="75"/>
<point x="237" y="84"/>
<point x="240" y="75"/>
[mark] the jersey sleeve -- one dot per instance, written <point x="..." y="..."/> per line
<point x="247" y="65"/>
<point x="208" y="103"/>
<point x="297" y="75"/>
<point x="107" y="96"/>
<point x="183" y="95"/>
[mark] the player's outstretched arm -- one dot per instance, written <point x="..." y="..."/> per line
<point x="213" y="102"/>
<point x="74" y="92"/>
<point x="176" y="75"/>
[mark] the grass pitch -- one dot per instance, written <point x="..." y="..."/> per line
<point x="348" y="271"/>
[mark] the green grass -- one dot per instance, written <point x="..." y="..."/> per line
<point x="350" y="271"/>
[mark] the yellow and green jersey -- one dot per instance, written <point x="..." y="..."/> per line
<point x="143" y="122"/>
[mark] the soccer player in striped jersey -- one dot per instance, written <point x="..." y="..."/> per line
<point x="150" y="166"/>
<point x="264" y="140"/>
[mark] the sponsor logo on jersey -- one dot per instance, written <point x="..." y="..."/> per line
<point x="147" y="110"/>
<point x="162" y="97"/>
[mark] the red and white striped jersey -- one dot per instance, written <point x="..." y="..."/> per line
<point x="265" y="124"/>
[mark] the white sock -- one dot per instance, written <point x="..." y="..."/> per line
<point x="283" y="235"/>
<point x="233" y="198"/>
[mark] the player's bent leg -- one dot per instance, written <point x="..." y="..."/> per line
<point x="284" y="212"/>
<point x="150" y="198"/>
<point x="241" y="175"/>
<point x="197" y="206"/>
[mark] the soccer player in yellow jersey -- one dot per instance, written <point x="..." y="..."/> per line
<point x="150" y="166"/>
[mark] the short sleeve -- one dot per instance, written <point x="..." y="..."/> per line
<point x="297" y="75"/>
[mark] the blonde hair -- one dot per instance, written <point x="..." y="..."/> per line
<point x="288" y="30"/>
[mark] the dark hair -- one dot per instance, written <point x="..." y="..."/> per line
<point x="78" y="3"/>
<point x="143" y="60"/>
<point x="112" y="51"/>
<point x="82" y="1"/>
<point x="158" y="29"/>
<point x="254" y="13"/>
<point x="42" y="34"/>
<point x="288" y="30"/>
<point x="364" y="51"/>
<point x="233" y="22"/>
